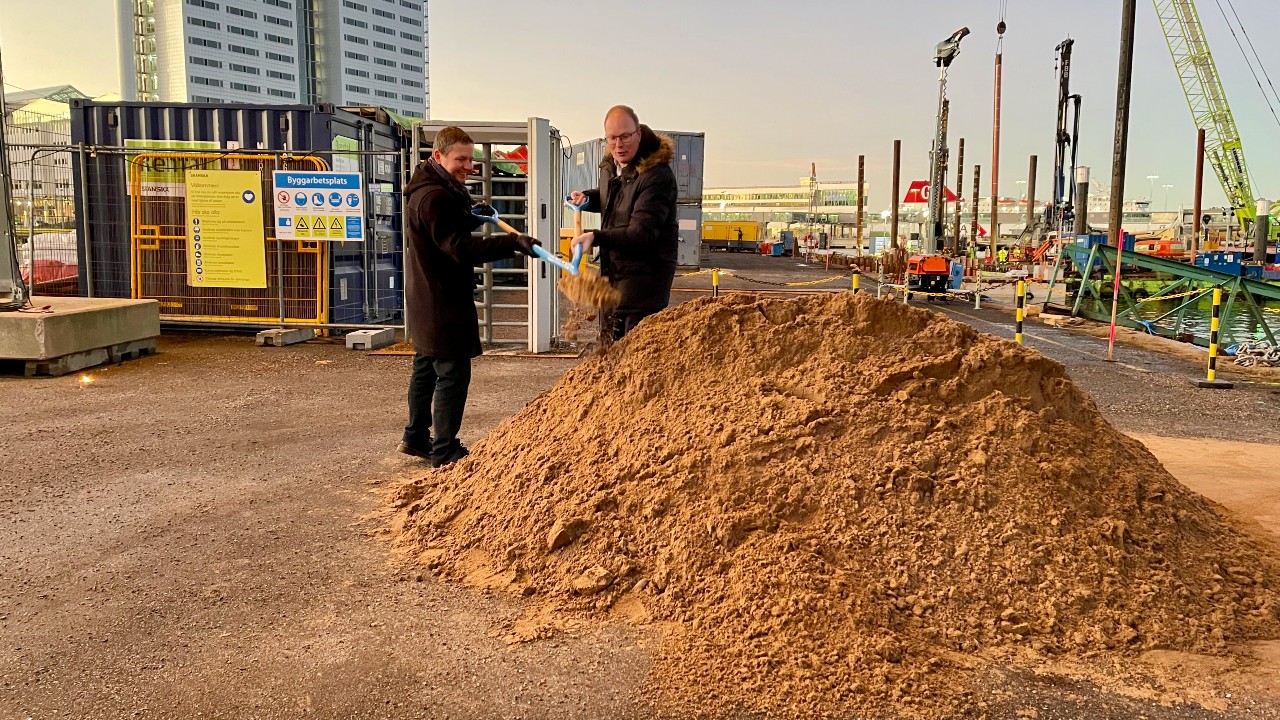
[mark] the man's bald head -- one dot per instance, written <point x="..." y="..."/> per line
<point x="620" y="111"/>
<point x="622" y="133"/>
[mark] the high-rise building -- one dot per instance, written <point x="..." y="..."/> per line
<point x="347" y="52"/>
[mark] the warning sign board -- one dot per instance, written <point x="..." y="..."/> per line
<point x="319" y="205"/>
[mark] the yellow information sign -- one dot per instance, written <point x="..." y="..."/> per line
<point x="226" y="242"/>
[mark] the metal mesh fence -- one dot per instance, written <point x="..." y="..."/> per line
<point x="115" y="222"/>
<point x="43" y="200"/>
<point x="141" y="240"/>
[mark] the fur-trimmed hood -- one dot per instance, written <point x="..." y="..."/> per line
<point x="655" y="150"/>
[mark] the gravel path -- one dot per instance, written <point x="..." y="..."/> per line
<point x="195" y="534"/>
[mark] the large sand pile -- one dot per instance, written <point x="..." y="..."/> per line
<point x="826" y="503"/>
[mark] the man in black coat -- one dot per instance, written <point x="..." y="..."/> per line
<point x="439" y="294"/>
<point x="638" y="235"/>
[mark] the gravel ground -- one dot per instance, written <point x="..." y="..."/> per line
<point x="194" y="534"/>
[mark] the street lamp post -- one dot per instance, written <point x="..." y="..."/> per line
<point x="1166" y="195"/>
<point x="1151" y="188"/>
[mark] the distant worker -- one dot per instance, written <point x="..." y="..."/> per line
<point x="739" y="234"/>
<point x="638" y="235"/>
<point x="439" y="302"/>
<point x="1002" y="255"/>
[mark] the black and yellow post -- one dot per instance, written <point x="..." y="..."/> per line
<point x="715" y="283"/>
<point x="853" y="282"/>
<point x="1211" y="380"/>
<point x="1020" y="312"/>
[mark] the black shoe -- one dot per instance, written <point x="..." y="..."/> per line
<point x="451" y="454"/>
<point x="408" y="449"/>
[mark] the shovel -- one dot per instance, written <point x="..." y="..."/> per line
<point x="586" y="289"/>
<point x="490" y="215"/>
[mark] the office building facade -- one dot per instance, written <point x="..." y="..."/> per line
<point x="347" y="52"/>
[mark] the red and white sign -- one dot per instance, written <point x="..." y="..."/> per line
<point x="982" y="232"/>
<point x="283" y="197"/>
<point x="918" y="193"/>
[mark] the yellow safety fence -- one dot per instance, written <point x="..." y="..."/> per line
<point x="260" y="279"/>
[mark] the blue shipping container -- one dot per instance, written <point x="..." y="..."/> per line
<point x="294" y="128"/>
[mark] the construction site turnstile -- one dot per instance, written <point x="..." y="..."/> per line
<point x="517" y="300"/>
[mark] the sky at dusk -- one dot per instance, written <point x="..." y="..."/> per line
<point x="777" y="85"/>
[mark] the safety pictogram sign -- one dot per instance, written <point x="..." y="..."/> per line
<point x="319" y="205"/>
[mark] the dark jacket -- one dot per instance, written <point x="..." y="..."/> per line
<point x="439" y="272"/>
<point x="639" y="235"/>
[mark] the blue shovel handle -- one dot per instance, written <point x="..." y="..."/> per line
<point x="579" y="208"/>
<point x="493" y="219"/>
<point x="571" y="268"/>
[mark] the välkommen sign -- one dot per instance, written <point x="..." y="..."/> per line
<point x="226" y="245"/>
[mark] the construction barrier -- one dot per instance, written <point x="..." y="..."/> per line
<point x="293" y="286"/>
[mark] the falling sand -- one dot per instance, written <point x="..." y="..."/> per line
<point x="589" y="290"/>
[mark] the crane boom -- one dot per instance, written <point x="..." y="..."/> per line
<point x="1208" y="101"/>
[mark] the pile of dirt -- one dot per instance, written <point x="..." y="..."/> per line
<point x="828" y="505"/>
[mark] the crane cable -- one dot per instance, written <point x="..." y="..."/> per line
<point x="1004" y="8"/>
<point x="1261" y="67"/>
<point x="1247" y="61"/>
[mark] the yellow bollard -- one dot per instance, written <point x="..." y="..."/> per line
<point x="853" y="282"/>
<point x="1212" y="380"/>
<point x="1019" y="311"/>
<point x="715" y="283"/>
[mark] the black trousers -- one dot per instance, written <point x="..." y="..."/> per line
<point x="624" y="323"/>
<point x="437" y="397"/>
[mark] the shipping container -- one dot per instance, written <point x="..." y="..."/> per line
<point x="359" y="279"/>
<point x="581" y="170"/>
<point x="688" y="165"/>
<point x="689" y="251"/>
<point x="744" y="230"/>
<point x="733" y="235"/>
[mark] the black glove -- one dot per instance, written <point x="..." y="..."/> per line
<point x="482" y="208"/>
<point x="524" y="243"/>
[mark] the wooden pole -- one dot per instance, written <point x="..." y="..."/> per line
<point x="893" y="207"/>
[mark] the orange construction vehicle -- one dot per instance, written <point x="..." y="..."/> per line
<point x="1173" y="248"/>
<point x="927" y="274"/>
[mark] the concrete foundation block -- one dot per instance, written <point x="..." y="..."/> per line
<point x="371" y="339"/>
<point x="64" y="335"/>
<point x="279" y="337"/>
<point x="90" y="358"/>
<point x="73" y="325"/>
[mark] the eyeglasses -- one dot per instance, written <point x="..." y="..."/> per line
<point x="615" y="139"/>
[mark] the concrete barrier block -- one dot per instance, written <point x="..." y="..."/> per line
<point x="371" y="339"/>
<point x="279" y="337"/>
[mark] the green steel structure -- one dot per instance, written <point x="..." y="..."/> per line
<point x="1251" y="308"/>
